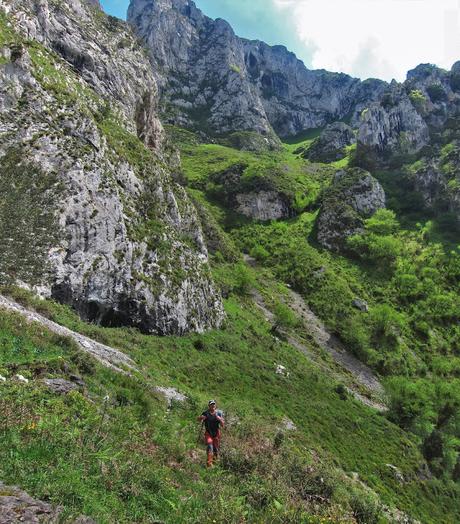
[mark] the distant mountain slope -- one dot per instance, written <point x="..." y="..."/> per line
<point x="217" y="82"/>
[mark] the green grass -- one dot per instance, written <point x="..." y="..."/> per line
<point x="144" y="461"/>
<point x="7" y="33"/>
<point x="290" y="175"/>
<point x="114" y="450"/>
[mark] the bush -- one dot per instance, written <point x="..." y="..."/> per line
<point x="436" y="93"/>
<point x="259" y="253"/>
<point x="417" y="98"/>
<point x="244" y="279"/>
<point x="284" y="317"/>
<point x="366" y="507"/>
<point x="383" y="222"/>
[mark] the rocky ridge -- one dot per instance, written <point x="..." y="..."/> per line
<point x="218" y="83"/>
<point x="127" y="246"/>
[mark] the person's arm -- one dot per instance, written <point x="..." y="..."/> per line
<point x="220" y="418"/>
<point x="202" y="417"/>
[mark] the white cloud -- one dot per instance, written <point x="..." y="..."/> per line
<point x="376" y="38"/>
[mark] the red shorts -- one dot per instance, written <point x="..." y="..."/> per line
<point x="214" y="441"/>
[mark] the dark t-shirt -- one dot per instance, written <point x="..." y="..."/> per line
<point x="211" y="423"/>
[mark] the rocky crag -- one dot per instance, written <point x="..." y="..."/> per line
<point x="218" y="83"/>
<point x="107" y="231"/>
<point x="353" y="196"/>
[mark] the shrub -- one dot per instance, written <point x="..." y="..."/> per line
<point x="243" y="279"/>
<point x="417" y="98"/>
<point x="284" y="317"/>
<point x="383" y="222"/>
<point x="235" y="69"/>
<point x="259" y="253"/>
<point x="366" y="507"/>
<point x="436" y="93"/>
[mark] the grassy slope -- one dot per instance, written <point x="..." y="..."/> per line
<point x="130" y="459"/>
<point x="141" y="460"/>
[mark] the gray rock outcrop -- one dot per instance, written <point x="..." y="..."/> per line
<point x="437" y="179"/>
<point x="263" y="205"/>
<point x="60" y="386"/>
<point x="353" y="196"/>
<point x="18" y="506"/>
<point x="104" y="53"/>
<point x="331" y="144"/>
<point x="130" y="249"/>
<point x="257" y="198"/>
<point x="392" y="126"/>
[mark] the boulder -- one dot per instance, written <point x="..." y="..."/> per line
<point x="171" y="394"/>
<point x="21" y="379"/>
<point x="331" y="144"/>
<point x="60" y="385"/>
<point x="353" y="196"/>
<point x="360" y="304"/>
<point x="17" y="506"/>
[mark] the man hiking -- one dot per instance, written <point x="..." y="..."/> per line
<point x="212" y="421"/>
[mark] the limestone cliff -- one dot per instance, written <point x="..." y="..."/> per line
<point x="121" y="241"/>
<point x="218" y="83"/>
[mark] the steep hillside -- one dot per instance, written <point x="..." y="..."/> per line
<point x="311" y="286"/>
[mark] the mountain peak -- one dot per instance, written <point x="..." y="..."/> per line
<point x="216" y="82"/>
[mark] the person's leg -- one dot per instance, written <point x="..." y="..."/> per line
<point x="216" y="445"/>
<point x="209" y="448"/>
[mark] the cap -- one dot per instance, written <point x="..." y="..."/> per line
<point x="211" y="402"/>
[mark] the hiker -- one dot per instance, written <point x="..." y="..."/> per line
<point x="212" y="421"/>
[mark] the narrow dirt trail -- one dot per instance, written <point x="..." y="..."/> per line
<point x="109" y="357"/>
<point x="362" y="373"/>
<point x="314" y="327"/>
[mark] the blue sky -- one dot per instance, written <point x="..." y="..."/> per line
<point x="364" y="38"/>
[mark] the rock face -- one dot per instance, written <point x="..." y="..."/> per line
<point x="437" y="179"/>
<point x="401" y="121"/>
<point x="331" y="144"/>
<point x="435" y="93"/>
<point x="263" y="205"/>
<point x="392" y="126"/>
<point x="217" y="82"/>
<point x="128" y="248"/>
<point x="199" y="64"/>
<point x="17" y="506"/>
<point x="353" y="196"/>
<point x="104" y="53"/>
